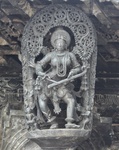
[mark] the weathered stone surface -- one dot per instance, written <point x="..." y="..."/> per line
<point x="58" y="138"/>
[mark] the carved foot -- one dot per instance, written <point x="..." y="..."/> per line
<point x="72" y="125"/>
<point x="83" y="123"/>
<point x="53" y="123"/>
<point x="54" y="126"/>
<point x="51" y="119"/>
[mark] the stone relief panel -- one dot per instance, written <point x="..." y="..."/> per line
<point x="70" y="28"/>
<point x="11" y="91"/>
<point x="14" y="131"/>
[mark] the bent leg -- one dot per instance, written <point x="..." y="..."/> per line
<point x="70" y="101"/>
<point x="46" y="111"/>
<point x="42" y="100"/>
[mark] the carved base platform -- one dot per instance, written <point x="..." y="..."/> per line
<point x="58" y="139"/>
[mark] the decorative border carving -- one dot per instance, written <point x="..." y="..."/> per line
<point x="59" y="15"/>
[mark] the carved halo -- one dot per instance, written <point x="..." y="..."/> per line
<point x="55" y="16"/>
<point x="39" y="27"/>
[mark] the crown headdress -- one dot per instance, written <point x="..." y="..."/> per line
<point x="60" y="34"/>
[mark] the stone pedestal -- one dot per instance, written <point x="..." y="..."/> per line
<point x="58" y="139"/>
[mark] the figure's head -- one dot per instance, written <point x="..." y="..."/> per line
<point x="60" y="44"/>
<point x="60" y="39"/>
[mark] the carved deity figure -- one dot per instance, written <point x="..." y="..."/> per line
<point x="52" y="83"/>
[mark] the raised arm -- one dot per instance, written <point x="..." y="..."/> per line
<point x="76" y="66"/>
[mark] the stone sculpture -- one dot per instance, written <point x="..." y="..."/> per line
<point x="59" y="60"/>
<point x="52" y="83"/>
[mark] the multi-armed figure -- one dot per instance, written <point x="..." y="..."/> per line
<point x="52" y="83"/>
<point x="59" y="52"/>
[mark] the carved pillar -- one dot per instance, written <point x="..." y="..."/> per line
<point x="13" y="131"/>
